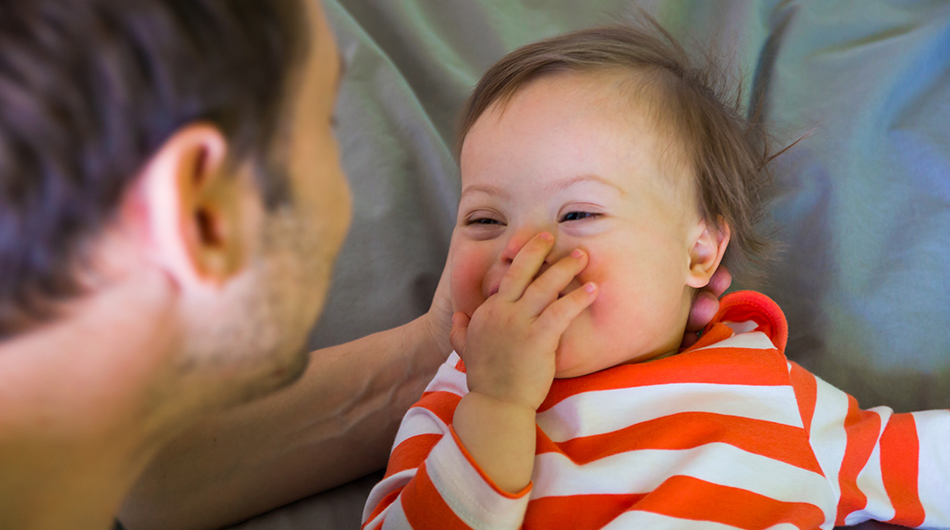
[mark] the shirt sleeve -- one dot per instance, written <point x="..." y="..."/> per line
<point x="883" y="466"/>
<point x="431" y="480"/>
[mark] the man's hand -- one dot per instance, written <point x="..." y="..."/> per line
<point x="509" y="343"/>
<point x="438" y="320"/>
<point x="706" y="305"/>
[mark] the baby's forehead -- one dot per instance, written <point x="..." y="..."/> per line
<point x="622" y="106"/>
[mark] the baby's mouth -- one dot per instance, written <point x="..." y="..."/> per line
<point x="571" y="287"/>
<point x="560" y="295"/>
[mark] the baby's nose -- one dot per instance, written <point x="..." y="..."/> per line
<point x="517" y="242"/>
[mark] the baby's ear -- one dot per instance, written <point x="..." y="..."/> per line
<point x="708" y="246"/>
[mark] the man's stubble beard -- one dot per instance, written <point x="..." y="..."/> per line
<point x="257" y="344"/>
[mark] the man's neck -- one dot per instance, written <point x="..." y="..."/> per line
<point x="80" y="414"/>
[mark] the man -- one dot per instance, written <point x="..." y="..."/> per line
<point x="170" y="205"/>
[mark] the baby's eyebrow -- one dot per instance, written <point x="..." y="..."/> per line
<point x="484" y="188"/>
<point x="562" y="185"/>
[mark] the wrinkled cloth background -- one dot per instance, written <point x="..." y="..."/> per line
<point x="862" y="202"/>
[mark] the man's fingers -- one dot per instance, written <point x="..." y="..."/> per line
<point x="705" y="307"/>
<point x="526" y="264"/>
<point x="689" y="339"/>
<point x="706" y="304"/>
<point x="459" y="332"/>
<point x="720" y="281"/>
<point x="439" y="317"/>
<point x="544" y="290"/>
<point x="561" y="313"/>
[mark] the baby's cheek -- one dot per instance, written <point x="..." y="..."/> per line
<point x="467" y="275"/>
<point x="622" y="298"/>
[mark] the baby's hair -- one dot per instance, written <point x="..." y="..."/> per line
<point x="728" y="152"/>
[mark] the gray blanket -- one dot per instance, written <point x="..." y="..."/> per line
<point x="863" y="201"/>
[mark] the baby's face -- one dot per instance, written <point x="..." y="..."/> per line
<point x="572" y="156"/>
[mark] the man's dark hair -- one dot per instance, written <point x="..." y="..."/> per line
<point x="91" y="89"/>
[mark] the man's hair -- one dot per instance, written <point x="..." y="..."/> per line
<point x="727" y="152"/>
<point x="91" y="89"/>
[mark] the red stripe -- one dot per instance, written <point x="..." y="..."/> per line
<point x="425" y="508"/>
<point x="900" y="457"/>
<point x="543" y="444"/>
<point x="440" y="403"/>
<point x="577" y="512"/>
<point x="725" y="366"/>
<point x="714" y="332"/>
<point x="688" y="430"/>
<point x="806" y="392"/>
<point x="697" y="500"/>
<point x="863" y="429"/>
<point x="411" y="452"/>
<point x="743" y="306"/>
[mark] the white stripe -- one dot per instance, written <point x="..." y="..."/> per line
<point x="419" y="420"/>
<point x="933" y="432"/>
<point x="742" y="327"/>
<point x="644" y="471"/>
<point x="871" y="481"/>
<point x="448" y="379"/>
<point x="603" y="411"/>
<point x="828" y="437"/>
<point x="753" y="341"/>
<point x="462" y="488"/>
<point x="654" y="521"/>
<point x="385" y="486"/>
<point x="396" y="518"/>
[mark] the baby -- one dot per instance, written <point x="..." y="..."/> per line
<point x="603" y="183"/>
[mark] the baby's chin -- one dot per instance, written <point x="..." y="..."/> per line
<point x="569" y="363"/>
<point x="572" y="359"/>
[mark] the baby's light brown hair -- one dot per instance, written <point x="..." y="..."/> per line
<point x="727" y="153"/>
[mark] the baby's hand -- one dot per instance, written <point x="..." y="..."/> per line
<point x="508" y="345"/>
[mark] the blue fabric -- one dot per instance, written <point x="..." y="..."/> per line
<point x="862" y="202"/>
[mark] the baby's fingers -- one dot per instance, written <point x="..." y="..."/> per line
<point x="544" y="290"/>
<point x="561" y="313"/>
<point x="524" y="266"/>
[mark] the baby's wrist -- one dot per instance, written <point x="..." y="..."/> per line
<point x="502" y="404"/>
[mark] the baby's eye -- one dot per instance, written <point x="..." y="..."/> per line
<point x="577" y="216"/>
<point x="484" y="221"/>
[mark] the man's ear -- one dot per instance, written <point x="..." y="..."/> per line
<point x="708" y="247"/>
<point x="194" y="208"/>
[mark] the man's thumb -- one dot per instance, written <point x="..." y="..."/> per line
<point x="459" y="331"/>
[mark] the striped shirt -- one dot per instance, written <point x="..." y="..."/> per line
<point x="726" y="434"/>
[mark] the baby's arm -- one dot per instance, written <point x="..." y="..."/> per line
<point x="477" y="473"/>
<point x="884" y="466"/>
<point x="508" y="348"/>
